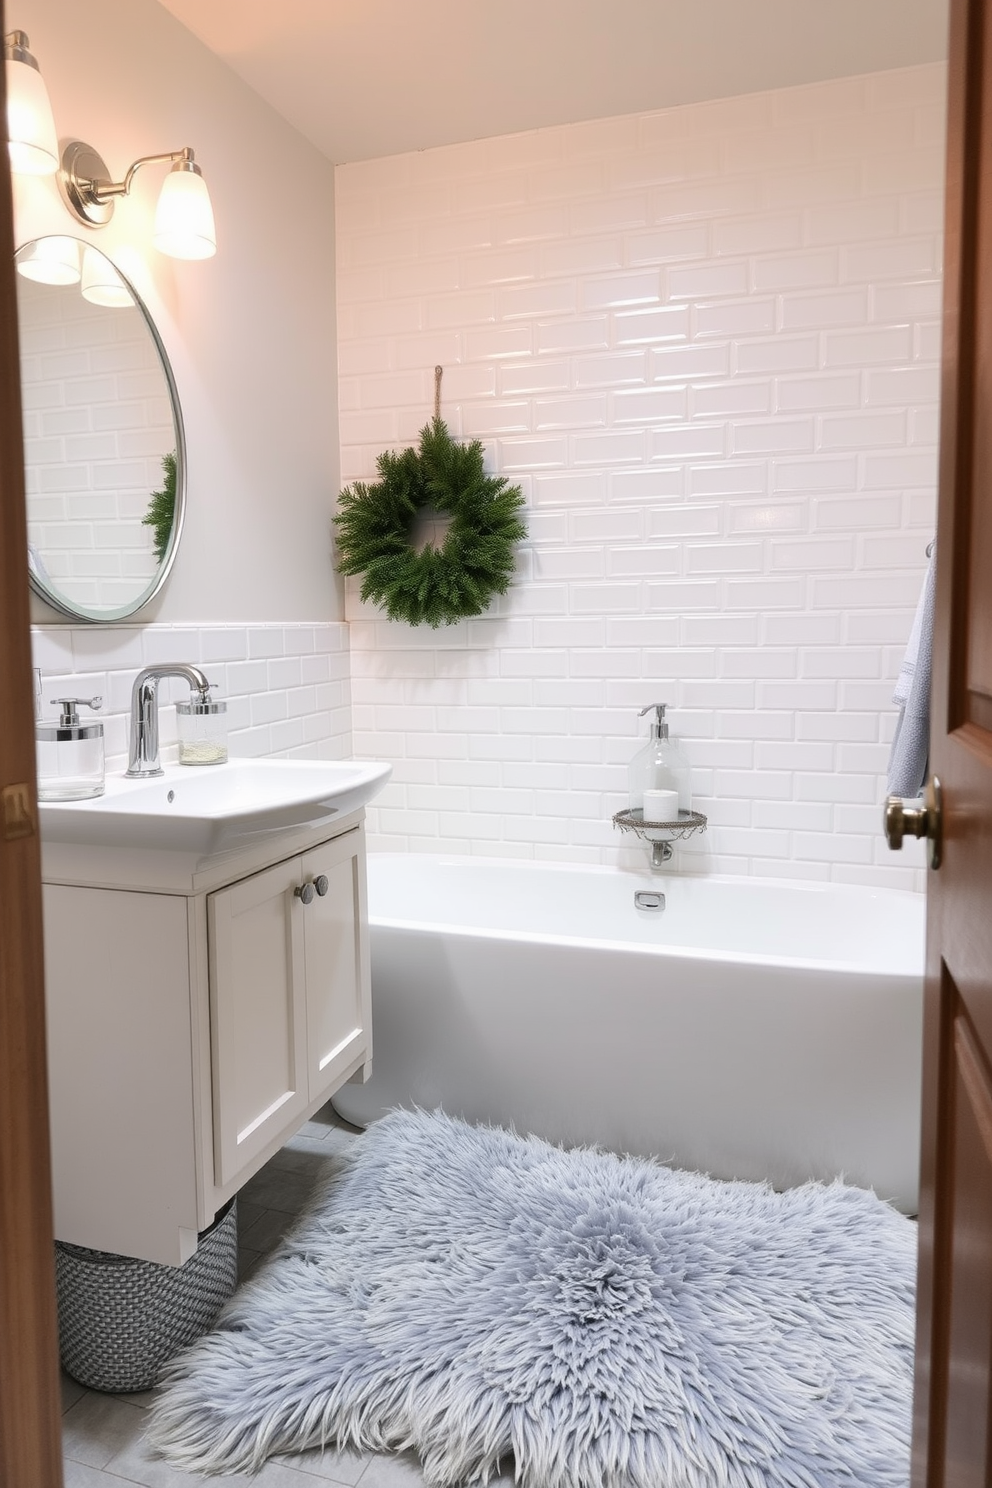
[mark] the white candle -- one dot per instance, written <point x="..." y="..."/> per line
<point x="661" y="806"/>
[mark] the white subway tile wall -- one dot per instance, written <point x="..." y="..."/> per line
<point x="705" y="343"/>
<point x="286" y="686"/>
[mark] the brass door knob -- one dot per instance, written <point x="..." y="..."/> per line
<point x="910" y="819"/>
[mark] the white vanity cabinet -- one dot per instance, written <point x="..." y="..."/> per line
<point x="289" y="1011"/>
<point x="198" y="1012"/>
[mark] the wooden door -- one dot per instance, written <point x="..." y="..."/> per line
<point x="339" y="1003"/>
<point x="30" y="1446"/>
<point x="952" y="1447"/>
<point x="257" y="1014"/>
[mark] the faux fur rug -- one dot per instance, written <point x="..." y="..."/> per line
<point x="609" y="1322"/>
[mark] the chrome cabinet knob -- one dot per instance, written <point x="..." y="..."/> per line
<point x="906" y="819"/>
<point x="320" y="884"/>
<point x="305" y="892"/>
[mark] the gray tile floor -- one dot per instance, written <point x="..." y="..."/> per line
<point x="103" y="1443"/>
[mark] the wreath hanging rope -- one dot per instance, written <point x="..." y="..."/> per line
<point x="439" y="584"/>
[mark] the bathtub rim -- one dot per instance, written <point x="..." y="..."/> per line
<point x="645" y="879"/>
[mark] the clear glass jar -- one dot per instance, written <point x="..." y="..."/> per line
<point x="202" y="731"/>
<point x="70" y="762"/>
<point x="69" y="754"/>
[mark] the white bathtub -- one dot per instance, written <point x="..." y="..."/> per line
<point x="752" y="1029"/>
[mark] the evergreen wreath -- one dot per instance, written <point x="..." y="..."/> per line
<point x="162" y="508"/>
<point x="438" y="585"/>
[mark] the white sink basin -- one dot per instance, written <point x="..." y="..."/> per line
<point x="211" y="808"/>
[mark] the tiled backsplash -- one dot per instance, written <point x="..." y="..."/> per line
<point x="705" y="342"/>
<point x="286" y="686"/>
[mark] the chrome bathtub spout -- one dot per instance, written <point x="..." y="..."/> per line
<point x="143" y="759"/>
<point x="661" y="853"/>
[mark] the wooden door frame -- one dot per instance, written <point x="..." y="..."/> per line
<point x="30" y="1422"/>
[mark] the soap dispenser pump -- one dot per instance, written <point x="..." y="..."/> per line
<point x="69" y="753"/>
<point x="660" y="766"/>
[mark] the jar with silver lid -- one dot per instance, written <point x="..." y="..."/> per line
<point x="69" y="754"/>
<point x="202" y="731"/>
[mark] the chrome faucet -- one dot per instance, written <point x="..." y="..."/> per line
<point x="143" y="759"/>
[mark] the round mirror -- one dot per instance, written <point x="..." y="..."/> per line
<point x="104" y="455"/>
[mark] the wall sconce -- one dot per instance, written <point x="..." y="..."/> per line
<point x="184" y="219"/>
<point x="31" y="137"/>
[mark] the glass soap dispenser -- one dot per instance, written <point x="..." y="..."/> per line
<point x="69" y="754"/>
<point x="660" y="766"/>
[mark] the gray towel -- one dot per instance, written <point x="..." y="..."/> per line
<point x="911" y="745"/>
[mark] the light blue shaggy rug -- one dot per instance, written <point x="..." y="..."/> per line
<point x="594" y="1321"/>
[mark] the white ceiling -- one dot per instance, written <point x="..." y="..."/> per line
<point x="362" y="78"/>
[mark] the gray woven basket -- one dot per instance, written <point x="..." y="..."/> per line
<point x="121" y="1319"/>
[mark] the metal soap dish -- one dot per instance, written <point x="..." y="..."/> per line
<point x="688" y="823"/>
<point x="661" y="835"/>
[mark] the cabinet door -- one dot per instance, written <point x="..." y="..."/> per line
<point x="338" y="984"/>
<point x="258" y="1013"/>
<point x="120" y="1068"/>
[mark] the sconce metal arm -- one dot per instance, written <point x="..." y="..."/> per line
<point x="104" y="190"/>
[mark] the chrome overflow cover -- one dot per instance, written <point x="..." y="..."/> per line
<point x="649" y="899"/>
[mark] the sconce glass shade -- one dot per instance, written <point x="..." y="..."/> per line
<point x="102" y="285"/>
<point x="31" y="137"/>
<point x="50" y="261"/>
<point x="184" y="218"/>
